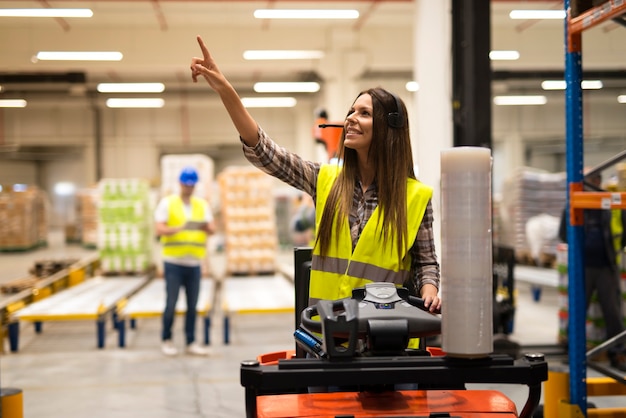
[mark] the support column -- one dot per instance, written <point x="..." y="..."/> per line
<point x="471" y="72"/>
<point x="431" y="120"/>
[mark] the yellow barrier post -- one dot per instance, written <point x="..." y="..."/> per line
<point x="556" y="389"/>
<point x="11" y="403"/>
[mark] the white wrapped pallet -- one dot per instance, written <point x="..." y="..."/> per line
<point x="172" y="165"/>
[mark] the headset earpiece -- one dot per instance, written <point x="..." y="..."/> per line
<point x="396" y="119"/>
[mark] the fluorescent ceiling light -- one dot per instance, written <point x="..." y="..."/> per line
<point x="412" y="86"/>
<point x="591" y="84"/>
<point x="282" y="55"/>
<point x="504" y="55"/>
<point x="131" y="87"/>
<point x="561" y="84"/>
<point x="269" y="101"/>
<point x="537" y="14"/>
<point x="79" y="56"/>
<point x="12" y="103"/>
<point x="305" y="14"/>
<point x="143" y="103"/>
<point x="519" y="100"/>
<point x="296" y="87"/>
<point x="621" y="98"/>
<point x="46" y="13"/>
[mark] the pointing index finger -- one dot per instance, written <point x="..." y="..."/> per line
<point x="205" y="51"/>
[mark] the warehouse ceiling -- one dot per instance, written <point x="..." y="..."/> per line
<point x="157" y="39"/>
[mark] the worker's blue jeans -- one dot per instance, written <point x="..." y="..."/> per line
<point x="177" y="276"/>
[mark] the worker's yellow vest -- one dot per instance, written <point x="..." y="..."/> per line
<point x="185" y="243"/>
<point x="341" y="270"/>
<point x="616" y="232"/>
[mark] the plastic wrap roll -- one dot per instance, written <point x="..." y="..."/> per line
<point x="466" y="258"/>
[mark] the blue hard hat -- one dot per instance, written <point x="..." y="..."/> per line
<point x="189" y="176"/>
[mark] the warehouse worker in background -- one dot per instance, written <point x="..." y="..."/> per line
<point x="372" y="216"/>
<point x="183" y="222"/>
<point x="302" y="223"/>
<point x="604" y="240"/>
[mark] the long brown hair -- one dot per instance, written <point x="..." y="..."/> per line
<point x="390" y="152"/>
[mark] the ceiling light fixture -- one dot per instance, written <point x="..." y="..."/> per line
<point x="412" y="86"/>
<point x="79" y="56"/>
<point x="305" y="14"/>
<point x="135" y="103"/>
<point x="537" y="14"/>
<point x="287" y="87"/>
<point x="621" y="98"/>
<point x="13" y="103"/>
<point x="504" y="55"/>
<point x="282" y="55"/>
<point x="46" y="13"/>
<point x="268" y="101"/>
<point x="519" y="100"/>
<point x="561" y="85"/>
<point x="130" y="87"/>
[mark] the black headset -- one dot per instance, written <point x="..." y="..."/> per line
<point x="396" y="119"/>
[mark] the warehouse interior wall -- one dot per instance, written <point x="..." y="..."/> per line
<point x="133" y="140"/>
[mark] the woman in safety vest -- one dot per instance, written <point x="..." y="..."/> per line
<point x="373" y="218"/>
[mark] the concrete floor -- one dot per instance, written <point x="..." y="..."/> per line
<point x="63" y="374"/>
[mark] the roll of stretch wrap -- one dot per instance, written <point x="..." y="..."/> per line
<point x="466" y="257"/>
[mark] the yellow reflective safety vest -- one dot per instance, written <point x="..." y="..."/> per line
<point x="341" y="270"/>
<point x="186" y="243"/>
<point x="616" y="232"/>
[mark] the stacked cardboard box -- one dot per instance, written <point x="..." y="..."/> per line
<point x="23" y="218"/>
<point x="125" y="228"/>
<point x="87" y="216"/>
<point x="249" y="221"/>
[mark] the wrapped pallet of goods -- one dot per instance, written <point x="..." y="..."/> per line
<point x="124" y="226"/>
<point x="23" y="218"/>
<point x="249" y="221"/>
<point x="87" y="216"/>
<point x="529" y="193"/>
<point x="621" y="177"/>
<point x="173" y="164"/>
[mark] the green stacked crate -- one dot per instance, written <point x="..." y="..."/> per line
<point x="124" y="226"/>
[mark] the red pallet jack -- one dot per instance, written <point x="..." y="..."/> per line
<point x="361" y="357"/>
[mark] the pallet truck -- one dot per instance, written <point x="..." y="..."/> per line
<point x="356" y="350"/>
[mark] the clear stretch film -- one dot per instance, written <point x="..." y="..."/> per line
<point x="466" y="257"/>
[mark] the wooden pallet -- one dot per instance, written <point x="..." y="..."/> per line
<point x="46" y="268"/>
<point x="546" y="260"/>
<point x="17" y="285"/>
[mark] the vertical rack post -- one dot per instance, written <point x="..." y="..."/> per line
<point x="574" y="162"/>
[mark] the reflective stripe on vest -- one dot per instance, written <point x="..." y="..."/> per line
<point x="341" y="270"/>
<point x="185" y="243"/>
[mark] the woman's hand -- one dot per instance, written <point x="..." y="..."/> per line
<point x="207" y="68"/>
<point x="431" y="298"/>
<point x="241" y="118"/>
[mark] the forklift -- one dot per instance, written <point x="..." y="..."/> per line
<point x="350" y="360"/>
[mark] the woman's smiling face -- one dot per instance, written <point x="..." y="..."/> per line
<point x="359" y="123"/>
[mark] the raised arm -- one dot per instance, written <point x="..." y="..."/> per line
<point x="241" y="118"/>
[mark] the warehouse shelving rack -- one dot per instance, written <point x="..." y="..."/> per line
<point x="577" y="198"/>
